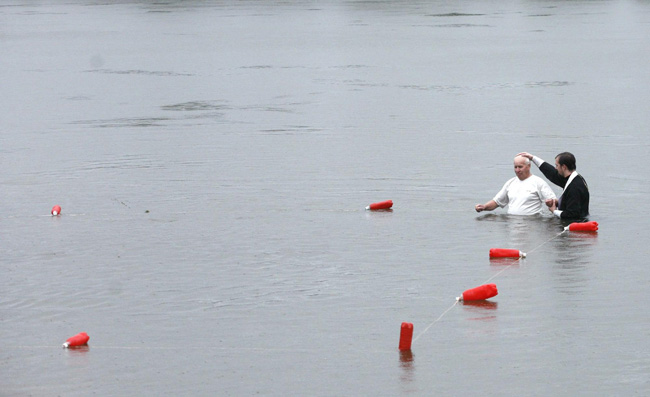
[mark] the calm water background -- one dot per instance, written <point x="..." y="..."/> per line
<point x="213" y="161"/>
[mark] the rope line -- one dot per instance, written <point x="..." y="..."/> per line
<point x="435" y="321"/>
<point x="86" y="348"/>
<point x="547" y="241"/>
<point x="514" y="261"/>
<point x="289" y="349"/>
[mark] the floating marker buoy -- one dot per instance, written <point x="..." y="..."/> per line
<point x="78" y="340"/>
<point x="383" y="205"/>
<point x="582" y="227"/>
<point x="405" y="336"/>
<point x="56" y="210"/>
<point x="506" y="253"/>
<point x="482" y="292"/>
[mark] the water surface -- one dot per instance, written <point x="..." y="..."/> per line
<point x="213" y="161"/>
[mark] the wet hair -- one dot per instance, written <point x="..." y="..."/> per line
<point x="568" y="159"/>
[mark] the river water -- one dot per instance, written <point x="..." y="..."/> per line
<point x="213" y="161"/>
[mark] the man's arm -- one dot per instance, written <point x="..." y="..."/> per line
<point x="500" y="200"/>
<point x="552" y="175"/>
<point x="489" y="206"/>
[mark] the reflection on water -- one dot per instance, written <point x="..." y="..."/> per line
<point x="77" y="350"/>
<point x="407" y="366"/>
<point x="482" y="311"/>
<point x="498" y="262"/>
<point x="524" y="233"/>
<point x="573" y="255"/>
<point x="480" y="305"/>
<point x="406" y="359"/>
<point x="78" y="359"/>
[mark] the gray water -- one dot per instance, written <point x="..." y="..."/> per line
<point x="213" y="161"/>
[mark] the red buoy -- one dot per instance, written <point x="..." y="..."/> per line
<point x="583" y="227"/>
<point x="56" y="210"/>
<point x="78" y="340"/>
<point x="383" y="205"/>
<point x="482" y="292"/>
<point x="506" y="253"/>
<point x="406" y="336"/>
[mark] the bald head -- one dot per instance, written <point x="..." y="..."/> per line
<point x="522" y="167"/>
<point x="525" y="159"/>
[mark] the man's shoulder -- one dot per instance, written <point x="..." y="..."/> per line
<point x="538" y="180"/>
<point x="510" y="181"/>
<point x="582" y="182"/>
<point x="582" y="178"/>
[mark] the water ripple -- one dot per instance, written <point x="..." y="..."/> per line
<point x="534" y="84"/>
<point x="455" y="14"/>
<point x="192" y="106"/>
<point x="124" y="122"/>
<point x="140" y="72"/>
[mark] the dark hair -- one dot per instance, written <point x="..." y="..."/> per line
<point x="566" y="158"/>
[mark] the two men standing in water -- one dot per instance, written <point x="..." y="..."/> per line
<point x="574" y="201"/>
<point x="526" y="192"/>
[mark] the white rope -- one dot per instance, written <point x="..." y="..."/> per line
<point x="515" y="260"/>
<point x="487" y="281"/>
<point x="435" y="321"/>
<point x="85" y="348"/>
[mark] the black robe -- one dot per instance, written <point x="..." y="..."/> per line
<point x="574" y="202"/>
